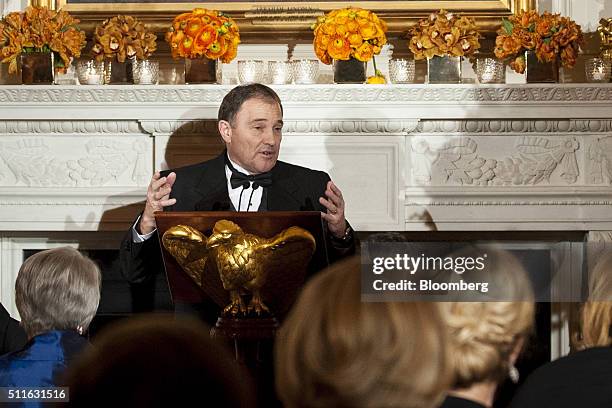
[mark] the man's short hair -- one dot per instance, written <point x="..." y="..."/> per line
<point x="233" y="101"/>
<point x="57" y="289"/>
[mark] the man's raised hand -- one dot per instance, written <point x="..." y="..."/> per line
<point x="158" y="197"/>
<point x="334" y="203"/>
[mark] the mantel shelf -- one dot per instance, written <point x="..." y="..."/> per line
<point x="308" y="102"/>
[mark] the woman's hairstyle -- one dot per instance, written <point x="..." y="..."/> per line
<point x="483" y="335"/>
<point x="335" y="351"/>
<point x="596" y="316"/>
<point x="57" y="289"/>
<point x="157" y="361"/>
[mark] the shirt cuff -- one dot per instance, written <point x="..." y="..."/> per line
<point x="136" y="237"/>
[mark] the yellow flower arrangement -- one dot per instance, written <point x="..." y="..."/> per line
<point x="350" y="32"/>
<point x="204" y="33"/>
<point x="549" y="35"/>
<point x="122" y="37"/>
<point x="39" y="29"/>
<point x="443" y="34"/>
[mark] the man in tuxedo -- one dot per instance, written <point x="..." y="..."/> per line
<point x="246" y="177"/>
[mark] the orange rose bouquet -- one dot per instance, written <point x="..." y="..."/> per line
<point x="550" y="36"/>
<point x="123" y="37"/>
<point x="204" y="33"/>
<point x="444" y="34"/>
<point x="39" y="29"/>
<point x="350" y="32"/>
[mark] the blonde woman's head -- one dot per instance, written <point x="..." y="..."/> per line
<point x="484" y="336"/>
<point x="336" y="351"/>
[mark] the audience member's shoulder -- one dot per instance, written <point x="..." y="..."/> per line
<point x="584" y="376"/>
<point x="562" y="367"/>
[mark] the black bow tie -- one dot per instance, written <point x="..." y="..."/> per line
<point x="240" y="179"/>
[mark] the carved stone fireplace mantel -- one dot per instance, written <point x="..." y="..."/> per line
<point x="446" y="157"/>
<point x="75" y="161"/>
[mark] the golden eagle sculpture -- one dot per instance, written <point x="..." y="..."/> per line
<point x="248" y="265"/>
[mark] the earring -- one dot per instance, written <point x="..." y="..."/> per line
<point x="513" y="373"/>
<point x="80" y="330"/>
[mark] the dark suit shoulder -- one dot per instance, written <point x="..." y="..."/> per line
<point x="12" y="335"/>
<point x="589" y="359"/>
<point x="196" y="177"/>
<point x="293" y="170"/>
<point x="189" y="170"/>
<point x="583" y="378"/>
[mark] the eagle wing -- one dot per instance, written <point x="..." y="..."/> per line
<point x="286" y="257"/>
<point x="188" y="246"/>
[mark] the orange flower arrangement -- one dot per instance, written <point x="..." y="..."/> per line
<point x="350" y="32"/>
<point x="549" y="35"/>
<point x="204" y="33"/>
<point x="443" y="34"/>
<point x="122" y="37"/>
<point x="39" y="29"/>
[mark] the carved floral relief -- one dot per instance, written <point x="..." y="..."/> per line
<point x="33" y="162"/>
<point x="458" y="161"/>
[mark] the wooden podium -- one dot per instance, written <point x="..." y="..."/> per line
<point x="266" y="224"/>
<point x="251" y="337"/>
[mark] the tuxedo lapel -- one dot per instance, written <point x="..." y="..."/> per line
<point x="284" y="193"/>
<point x="211" y="190"/>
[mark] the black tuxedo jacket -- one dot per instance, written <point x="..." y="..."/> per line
<point x="203" y="187"/>
<point x="12" y="335"/>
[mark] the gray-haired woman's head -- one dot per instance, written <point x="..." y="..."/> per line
<point x="57" y="289"/>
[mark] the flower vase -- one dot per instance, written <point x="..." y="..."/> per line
<point x="119" y="73"/>
<point x="540" y="72"/>
<point x="351" y="71"/>
<point x="202" y="71"/>
<point x="7" y="78"/>
<point x="37" y="68"/>
<point x="65" y="75"/>
<point x="444" y="70"/>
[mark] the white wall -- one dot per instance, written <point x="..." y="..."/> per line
<point x="585" y="12"/>
<point x="6" y="6"/>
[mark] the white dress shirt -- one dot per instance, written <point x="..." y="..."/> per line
<point x="234" y="195"/>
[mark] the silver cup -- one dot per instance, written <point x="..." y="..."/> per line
<point x="146" y="72"/>
<point x="490" y="71"/>
<point x="251" y="71"/>
<point x="280" y="72"/>
<point x="90" y="72"/>
<point x="401" y="71"/>
<point x="305" y="71"/>
<point x="597" y="70"/>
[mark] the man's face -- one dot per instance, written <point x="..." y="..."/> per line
<point x="253" y="140"/>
